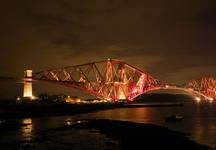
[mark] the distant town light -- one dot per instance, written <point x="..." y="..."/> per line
<point x="32" y="97"/>
<point x="78" y="100"/>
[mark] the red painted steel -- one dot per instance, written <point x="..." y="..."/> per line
<point x="205" y="85"/>
<point x="115" y="79"/>
<point x="109" y="79"/>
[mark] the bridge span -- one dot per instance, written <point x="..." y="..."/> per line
<point x="113" y="79"/>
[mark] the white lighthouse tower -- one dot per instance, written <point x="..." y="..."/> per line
<point x="27" y="92"/>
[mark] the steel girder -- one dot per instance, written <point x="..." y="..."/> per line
<point x="204" y="85"/>
<point x="109" y="79"/>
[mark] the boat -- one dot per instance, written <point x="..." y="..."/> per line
<point x="174" y="118"/>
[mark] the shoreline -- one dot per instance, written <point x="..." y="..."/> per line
<point x="133" y="135"/>
<point x="100" y="125"/>
<point x="111" y="134"/>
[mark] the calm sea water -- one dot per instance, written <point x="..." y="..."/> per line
<point x="199" y="121"/>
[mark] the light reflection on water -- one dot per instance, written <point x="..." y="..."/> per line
<point x="26" y="129"/>
<point x="68" y="121"/>
<point x="199" y="120"/>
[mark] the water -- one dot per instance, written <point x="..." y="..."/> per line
<point x="199" y="121"/>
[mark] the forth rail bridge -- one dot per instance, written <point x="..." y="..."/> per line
<point x="114" y="80"/>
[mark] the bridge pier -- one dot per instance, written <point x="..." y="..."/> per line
<point x="27" y="89"/>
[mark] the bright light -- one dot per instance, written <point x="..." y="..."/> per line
<point x="27" y="121"/>
<point x="68" y="121"/>
<point x="198" y="99"/>
<point x="27" y="84"/>
<point x="78" y="100"/>
<point x="32" y="97"/>
<point x="166" y="86"/>
<point x="27" y="129"/>
<point x="135" y="90"/>
<point x="121" y="94"/>
<point x="210" y="99"/>
<point x="28" y="73"/>
<point x="27" y="89"/>
<point x="108" y="99"/>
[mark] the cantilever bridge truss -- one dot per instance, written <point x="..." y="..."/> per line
<point x="110" y="79"/>
<point x="205" y="85"/>
<point x="115" y="79"/>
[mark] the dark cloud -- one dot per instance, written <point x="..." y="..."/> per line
<point x="174" y="40"/>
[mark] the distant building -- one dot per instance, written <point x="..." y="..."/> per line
<point x="72" y="99"/>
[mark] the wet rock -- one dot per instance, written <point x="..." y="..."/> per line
<point x="141" y="136"/>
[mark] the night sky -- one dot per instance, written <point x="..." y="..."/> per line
<point x="174" y="40"/>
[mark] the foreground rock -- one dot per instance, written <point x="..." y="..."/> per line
<point x="141" y="136"/>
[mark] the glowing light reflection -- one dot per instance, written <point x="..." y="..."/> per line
<point x="68" y="121"/>
<point x="27" y="129"/>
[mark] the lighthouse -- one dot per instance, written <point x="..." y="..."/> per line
<point x="27" y="92"/>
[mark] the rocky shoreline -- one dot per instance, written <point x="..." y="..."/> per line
<point x="104" y="134"/>
<point x="141" y="136"/>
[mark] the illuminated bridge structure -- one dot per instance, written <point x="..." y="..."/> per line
<point x="114" y="80"/>
<point x="109" y="79"/>
<point x="204" y="85"/>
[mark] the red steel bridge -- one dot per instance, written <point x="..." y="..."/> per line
<point x="113" y="79"/>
